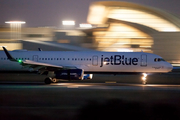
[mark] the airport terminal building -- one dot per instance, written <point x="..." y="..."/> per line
<point x="119" y="26"/>
<point x="125" y="26"/>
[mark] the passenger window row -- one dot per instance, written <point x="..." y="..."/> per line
<point x="74" y="59"/>
<point x="16" y="58"/>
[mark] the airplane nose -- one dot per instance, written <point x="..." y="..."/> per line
<point x="169" y="67"/>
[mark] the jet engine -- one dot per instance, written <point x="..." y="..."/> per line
<point x="70" y="74"/>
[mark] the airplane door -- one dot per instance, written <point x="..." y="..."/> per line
<point x="144" y="60"/>
<point x="95" y="60"/>
<point x="35" y="58"/>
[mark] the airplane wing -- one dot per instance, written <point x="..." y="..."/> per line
<point x="40" y="65"/>
<point x="36" y="65"/>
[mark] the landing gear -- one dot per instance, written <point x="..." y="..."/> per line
<point x="54" y="80"/>
<point x="50" y="80"/>
<point x="144" y="81"/>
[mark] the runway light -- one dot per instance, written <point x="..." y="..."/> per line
<point x="144" y="76"/>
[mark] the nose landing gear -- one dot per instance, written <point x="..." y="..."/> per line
<point x="50" y="80"/>
<point x="144" y="81"/>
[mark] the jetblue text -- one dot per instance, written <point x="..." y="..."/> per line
<point x="118" y="60"/>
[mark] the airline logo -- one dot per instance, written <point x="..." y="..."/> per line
<point x="118" y="60"/>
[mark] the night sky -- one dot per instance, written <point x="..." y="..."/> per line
<point x="39" y="13"/>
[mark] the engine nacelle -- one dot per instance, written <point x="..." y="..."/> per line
<point x="70" y="74"/>
<point x="88" y="76"/>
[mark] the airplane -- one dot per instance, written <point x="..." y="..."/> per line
<point x="79" y="65"/>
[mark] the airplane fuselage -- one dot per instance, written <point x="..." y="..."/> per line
<point x="90" y="62"/>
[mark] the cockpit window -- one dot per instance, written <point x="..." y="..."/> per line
<point x="155" y="60"/>
<point x="158" y="59"/>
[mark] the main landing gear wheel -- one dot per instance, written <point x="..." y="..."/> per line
<point x="48" y="80"/>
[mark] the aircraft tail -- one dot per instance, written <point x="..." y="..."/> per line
<point x="9" y="55"/>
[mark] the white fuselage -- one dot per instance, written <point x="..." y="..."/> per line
<point x="89" y="61"/>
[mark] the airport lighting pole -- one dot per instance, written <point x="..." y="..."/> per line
<point x="15" y="29"/>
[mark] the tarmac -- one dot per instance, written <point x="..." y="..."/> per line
<point x="25" y="96"/>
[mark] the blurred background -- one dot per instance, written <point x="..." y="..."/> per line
<point x="113" y="26"/>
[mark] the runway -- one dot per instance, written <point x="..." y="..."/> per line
<point x="98" y="86"/>
<point x="106" y="97"/>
